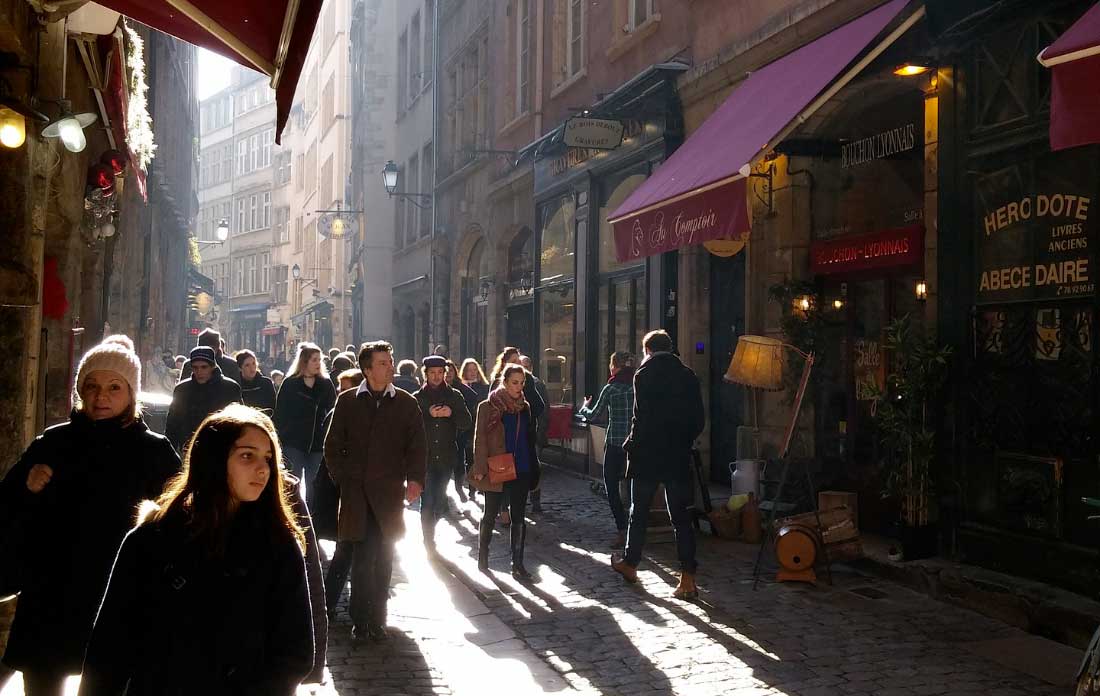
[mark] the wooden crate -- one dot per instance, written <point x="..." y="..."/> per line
<point x="828" y="500"/>
<point x="836" y="525"/>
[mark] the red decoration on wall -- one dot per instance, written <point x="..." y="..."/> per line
<point x="54" y="301"/>
<point x="116" y="160"/>
<point x="101" y="176"/>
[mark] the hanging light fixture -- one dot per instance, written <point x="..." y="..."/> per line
<point x="389" y="176"/>
<point x="70" y="128"/>
<point x="13" y="128"/>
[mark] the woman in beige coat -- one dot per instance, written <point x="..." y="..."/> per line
<point x="504" y="425"/>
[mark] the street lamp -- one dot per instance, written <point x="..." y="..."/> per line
<point x="296" y="271"/>
<point x="221" y="233"/>
<point x="389" y="180"/>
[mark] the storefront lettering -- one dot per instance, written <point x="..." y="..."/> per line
<point x="1056" y="205"/>
<point x="870" y="250"/>
<point x="902" y="246"/>
<point x="685" y="231"/>
<point x="1018" y="277"/>
<point x="879" y="146"/>
<point x="576" y="156"/>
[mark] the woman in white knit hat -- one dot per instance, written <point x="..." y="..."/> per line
<point x="74" y="492"/>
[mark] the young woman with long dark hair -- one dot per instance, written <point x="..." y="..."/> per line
<point x="257" y="390"/>
<point x="208" y="593"/>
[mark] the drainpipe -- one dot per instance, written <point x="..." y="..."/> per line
<point x="539" y="25"/>
<point x="433" y="322"/>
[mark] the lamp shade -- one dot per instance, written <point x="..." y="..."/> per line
<point x="757" y="362"/>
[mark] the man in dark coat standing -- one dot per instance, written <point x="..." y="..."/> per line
<point x="377" y="453"/>
<point x="212" y="339"/>
<point x="195" y="398"/>
<point x="445" y="418"/>
<point x="668" y="417"/>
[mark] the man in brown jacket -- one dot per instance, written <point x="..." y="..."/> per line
<point x="376" y="451"/>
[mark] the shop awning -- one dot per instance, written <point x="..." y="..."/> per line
<point x="1074" y="60"/>
<point x="699" y="193"/>
<point x="270" y="36"/>
<point x="250" y="308"/>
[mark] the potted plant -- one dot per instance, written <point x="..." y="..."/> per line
<point x="906" y="428"/>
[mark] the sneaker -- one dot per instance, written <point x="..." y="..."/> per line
<point x="620" y="566"/>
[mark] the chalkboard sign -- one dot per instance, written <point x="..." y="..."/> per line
<point x="1036" y="229"/>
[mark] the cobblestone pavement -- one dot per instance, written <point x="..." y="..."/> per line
<point x="859" y="636"/>
<point x="579" y="629"/>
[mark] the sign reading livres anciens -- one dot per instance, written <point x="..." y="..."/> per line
<point x="1033" y="245"/>
<point x="886" y="249"/>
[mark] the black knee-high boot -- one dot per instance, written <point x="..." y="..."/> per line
<point x="519" y="539"/>
<point x="484" y="536"/>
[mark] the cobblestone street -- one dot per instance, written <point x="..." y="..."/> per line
<point x="581" y="630"/>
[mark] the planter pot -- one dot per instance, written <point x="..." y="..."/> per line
<point x="918" y="542"/>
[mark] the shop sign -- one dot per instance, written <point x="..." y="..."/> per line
<point x="879" y="146"/>
<point x="724" y="248"/>
<point x="887" y="249"/>
<point x="595" y="133"/>
<point x="636" y="134"/>
<point x="868" y="369"/>
<point x="1035" y="246"/>
<point x="272" y="330"/>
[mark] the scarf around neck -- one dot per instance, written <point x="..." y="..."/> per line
<point x="623" y="376"/>
<point x="500" y="402"/>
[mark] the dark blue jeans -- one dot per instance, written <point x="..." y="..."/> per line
<point x="679" y="494"/>
<point x="614" y="465"/>
<point x="433" y="502"/>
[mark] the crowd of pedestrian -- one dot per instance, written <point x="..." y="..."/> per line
<point x="189" y="562"/>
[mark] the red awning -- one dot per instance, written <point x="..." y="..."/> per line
<point x="699" y="193"/>
<point x="1074" y="60"/>
<point x="270" y="36"/>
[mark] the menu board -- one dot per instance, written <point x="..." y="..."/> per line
<point x="1036" y="223"/>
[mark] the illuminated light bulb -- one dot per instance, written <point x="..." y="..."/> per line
<point x="13" y="128"/>
<point x="911" y="69"/>
<point x="72" y="135"/>
<point x="107" y="230"/>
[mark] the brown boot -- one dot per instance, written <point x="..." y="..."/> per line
<point x="620" y="566"/>
<point x="620" y="541"/>
<point x="686" y="589"/>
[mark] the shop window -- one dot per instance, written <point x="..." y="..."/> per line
<point x="557" y="323"/>
<point x="614" y="196"/>
<point x="521" y="264"/>
<point x="475" y="305"/>
<point x="558" y="242"/>
<point x="622" y="315"/>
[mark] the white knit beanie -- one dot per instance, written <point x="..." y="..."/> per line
<point x="114" y="356"/>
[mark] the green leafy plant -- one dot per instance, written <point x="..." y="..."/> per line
<point x="801" y="329"/>
<point x="917" y="372"/>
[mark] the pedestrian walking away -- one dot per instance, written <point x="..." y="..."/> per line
<point x="543" y="423"/>
<point x="73" y="494"/>
<point x="212" y="339"/>
<point x="326" y="501"/>
<point x="617" y="400"/>
<point x="505" y="425"/>
<point x="376" y="452"/>
<point x="209" y="593"/>
<point x="306" y="397"/>
<point x="465" y="441"/>
<point x="406" y="377"/>
<point x="257" y="390"/>
<point x="445" y="419"/>
<point x="668" y="417"/>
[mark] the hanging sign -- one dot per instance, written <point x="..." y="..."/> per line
<point x="594" y="133"/>
<point x="887" y="249"/>
<point x="724" y="248"/>
<point x="335" y="226"/>
<point x="1034" y="241"/>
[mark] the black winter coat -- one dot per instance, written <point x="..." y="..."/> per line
<point x="668" y="417"/>
<point x="324" y="498"/>
<point x="101" y="471"/>
<point x="178" y="621"/>
<point x="409" y="384"/>
<point x="228" y="365"/>
<point x="314" y="577"/>
<point x="300" y="412"/>
<point x="443" y="433"/>
<point x="259" y="393"/>
<point x="193" y="402"/>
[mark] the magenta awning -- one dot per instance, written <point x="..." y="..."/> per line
<point x="269" y="36"/>
<point x="1074" y="60"/>
<point x="699" y="193"/>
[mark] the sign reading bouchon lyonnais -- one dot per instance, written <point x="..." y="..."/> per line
<point x="887" y="249"/>
<point x="594" y="133"/>
<point x="878" y="146"/>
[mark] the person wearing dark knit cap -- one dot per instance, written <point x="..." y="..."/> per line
<point x="76" y="486"/>
<point x="195" y="398"/>
<point x="445" y="417"/>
